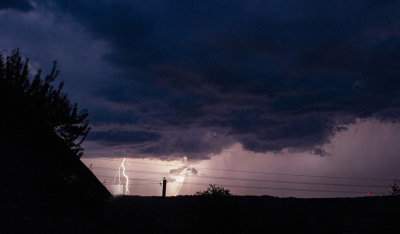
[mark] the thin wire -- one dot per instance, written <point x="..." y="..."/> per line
<point x="131" y="170"/>
<point x="255" y="172"/>
<point x="255" y="180"/>
<point x="290" y="189"/>
<point x="267" y="188"/>
<point x="145" y="179"/>
<point x="289" y="182"/>
<point x="142" y="184"/>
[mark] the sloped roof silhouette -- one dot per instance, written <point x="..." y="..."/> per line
<point x="36" y="166"/>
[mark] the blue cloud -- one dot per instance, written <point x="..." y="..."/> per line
<point x="20" y="5"/>
<point x="124" y="137"/>
<point x="268" y="74"/>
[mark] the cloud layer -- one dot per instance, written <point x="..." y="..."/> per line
<point x="20" y="5"/>
<point x="191" y="78"/>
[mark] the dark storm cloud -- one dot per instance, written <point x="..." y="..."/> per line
<point x="268" y="74"/>
<point x="21" y="5"/>
<point x="122" y="137"/>
<point x="191" y="143"/>
<point x="186" y="170"/>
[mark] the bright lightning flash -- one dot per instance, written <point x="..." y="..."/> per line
<point x="119" y="177"/>
<point x="180" y="179"/>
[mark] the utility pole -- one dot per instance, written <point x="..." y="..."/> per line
<point x="164" y="191"/>
<point x="164" y="187"/>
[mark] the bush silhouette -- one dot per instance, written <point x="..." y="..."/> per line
<point x="214" y="191"/>
<point x="395" y="188"/>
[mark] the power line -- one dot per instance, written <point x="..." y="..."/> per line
<point x="256" y="172"/>
<point x="130" y="170"/>
<point x="255" y="187"/>
<point x="146" y="179"/>
<point x="263" y="188"/>
<point x="288" y="182"/>
<point x="254" y="180"/>
<point x="290" y="189"/>
<point x="141" y="184"/>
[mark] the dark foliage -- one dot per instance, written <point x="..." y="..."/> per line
<point x="395" y="188"/>
<point x="214" y="191"/>
<point x="48" y="102"/>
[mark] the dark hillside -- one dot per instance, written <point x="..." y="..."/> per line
<point x="192" y="214"/>
<point x="253" y="215"/>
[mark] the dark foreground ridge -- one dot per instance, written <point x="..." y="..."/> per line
<point x="191" y="214"/>
<point x="250" y="214"/>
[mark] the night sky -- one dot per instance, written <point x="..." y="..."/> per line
<point x="290" y="87"/>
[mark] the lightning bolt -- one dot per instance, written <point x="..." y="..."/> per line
<point x="119" y="177"/>
<point x="176" y="194"/>
<point x="127" y="179"/>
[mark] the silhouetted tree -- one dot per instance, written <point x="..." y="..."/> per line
<point x="395" y="188"/>
<point x="215" y="191"/>
<point x="48" y="102"/>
